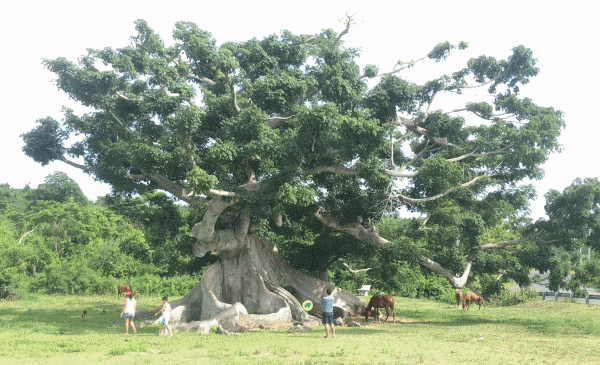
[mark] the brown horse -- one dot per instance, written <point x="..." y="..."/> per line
<point x="472" y="297"/>
<point x="459" y="298"/>
<point x="123" y="288"/>
<point x="377" y="301"/>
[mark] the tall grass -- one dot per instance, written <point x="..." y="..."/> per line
<point x="508" y="298"/>
<point x="49" y="329"/>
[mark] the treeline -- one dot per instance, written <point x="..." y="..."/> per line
<point x="54" y="240"/>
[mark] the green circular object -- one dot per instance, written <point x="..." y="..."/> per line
<point x="307" y="305"/>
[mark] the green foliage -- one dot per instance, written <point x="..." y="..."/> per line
<point x="59" y="187"/>
<point x="155" y="285"/>
<point x="200" y="181"/>
<point x="74" y="248"/>
<point x="44" y="143"/>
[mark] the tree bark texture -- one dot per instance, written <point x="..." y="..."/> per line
<point x="251" y="285"/>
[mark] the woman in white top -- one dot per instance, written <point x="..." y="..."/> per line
<point x="128" y="312"/>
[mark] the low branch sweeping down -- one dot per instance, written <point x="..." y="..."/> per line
<point x="359" y="232"/>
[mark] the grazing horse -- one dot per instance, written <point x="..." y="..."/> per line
<point x="380" y="300"/>
<point x="459" y="298"/>
<point x="123" y="288"/>
<point x="472" y="297"/>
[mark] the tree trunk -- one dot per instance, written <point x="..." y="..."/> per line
<point x="252" y="285"/>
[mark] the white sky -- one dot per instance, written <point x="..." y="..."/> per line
<point x="564" y="39"/>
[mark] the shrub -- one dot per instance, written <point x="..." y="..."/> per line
<point x="508" y="298"/>
<point x="152" y="284"/>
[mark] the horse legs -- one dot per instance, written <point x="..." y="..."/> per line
<point x="389" y="308"/>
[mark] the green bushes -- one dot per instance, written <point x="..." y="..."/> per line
<point x="508" y="298"/>
<point x="397" y="279"/>
<point x="160" y="286"/>
<point x="71" y="277"/>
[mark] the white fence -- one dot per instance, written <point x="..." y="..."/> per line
<point x="590" y="298"/>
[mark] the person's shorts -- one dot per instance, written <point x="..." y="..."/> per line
<point x="327" y="318"/>
<point x="164" y="321"/>
<point x="128" y="315"/>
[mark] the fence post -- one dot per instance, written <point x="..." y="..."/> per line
<point x="556" y="296"/>
<point x="544" y="295"/>
<point x="587" y="299"/>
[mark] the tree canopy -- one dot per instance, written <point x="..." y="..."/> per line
<point x="287" y="135"/>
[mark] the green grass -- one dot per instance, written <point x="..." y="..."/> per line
<point x="50" y="329"/>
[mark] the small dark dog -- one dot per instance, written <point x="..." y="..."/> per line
<point x="83" y="314"/>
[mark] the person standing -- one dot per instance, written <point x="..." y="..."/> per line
<point x="327" y="304"/>
<point x="128" y="312"/>
<point x="166" y="316"/>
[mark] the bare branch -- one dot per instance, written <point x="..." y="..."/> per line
<point x="273" y="121"/>
<point x="341" y="170"/>
<point x="234" y="99"/>
<point x="76" y="165"/>
<point x="355" y="229"/>
<point x="188" y="148"/>
<point x="430" y="198"/>
<point x="126" y="98"/>
<point x="401" y="173"/>
<point x="25" y="235"/>
<point x="413" y="125"/>
<point x="472" y="154"/>
<point x="354" y="271"/>
<point x="455" y="87"/>
<point x="506" y="245"/>
<point x="176" y="95"/>
<point x="349" y="22"/>
<point x="456" y="282"/>
<point x="200" y="79"/>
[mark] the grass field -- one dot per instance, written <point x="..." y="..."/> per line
<point x="50" y="330"/>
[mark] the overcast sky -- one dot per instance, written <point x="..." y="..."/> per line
<point x="563" y="39"/>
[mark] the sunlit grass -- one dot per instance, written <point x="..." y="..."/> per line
<point x="50" y="329"/>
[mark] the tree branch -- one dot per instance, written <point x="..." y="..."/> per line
<point x="25" y="235"/>
<point x="204" y="231"/>
<point x="456" y="282"/>
<point x="273" y="121"/>
<point x="355" y="229"/>
<point x="201" y="79"/>
<point x="505" y="245"/>
<point x="430" y="198"/>
<point x="361" y="233"/>
<point x="341" y="170"/>
<point x="354" y="271"/>
<point x="472" y="154"/>
<point x="234" y="99"/>
<point x="349" y="22"/>
<point x="413" y="125"/>
<point x="76" y="165"/>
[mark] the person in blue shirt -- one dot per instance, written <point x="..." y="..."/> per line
<point x="327" y="304"/>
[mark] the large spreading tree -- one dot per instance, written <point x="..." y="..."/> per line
<point x="284" y="136"/>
